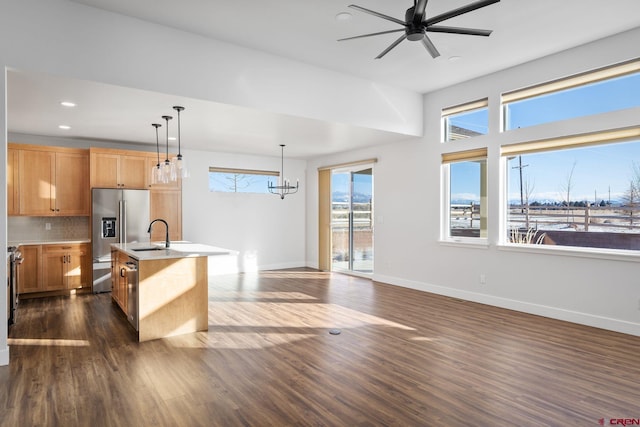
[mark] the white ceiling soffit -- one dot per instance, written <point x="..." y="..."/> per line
<point x="307" y="31"/>
<point x="113" y="113"/>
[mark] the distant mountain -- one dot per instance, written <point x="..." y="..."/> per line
<point x="341" y="196"/>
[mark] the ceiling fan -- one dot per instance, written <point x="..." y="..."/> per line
<point x="416" y="25"/>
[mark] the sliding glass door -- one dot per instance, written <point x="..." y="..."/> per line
<point x="352" y="219"/>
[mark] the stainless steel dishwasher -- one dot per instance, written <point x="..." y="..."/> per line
<point x="130" y="271"/>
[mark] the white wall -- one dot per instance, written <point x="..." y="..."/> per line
<point x="268" y="232"/>
<point x="593" y="291"/>
<point x="4" y="348"/>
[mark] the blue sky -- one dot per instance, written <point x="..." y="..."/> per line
<point x="362" y="184"/>
<point x="598" y="170"/>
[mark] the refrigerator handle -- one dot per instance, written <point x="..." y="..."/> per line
<point x="123" y="221"/>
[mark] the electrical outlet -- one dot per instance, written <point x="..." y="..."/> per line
<point x="483" y="279"/>
<point x="639" y="304"/>
<point x="47" y="226"/>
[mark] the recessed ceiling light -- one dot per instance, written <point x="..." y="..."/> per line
<point x="68" y="104"/>
<point x="172" y="138"/>
<point x="65" y="127"/>
<point x="343" y="16"/>
<point x="455" y="58"/>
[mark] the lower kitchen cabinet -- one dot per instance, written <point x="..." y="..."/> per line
<point x="119" y="284"/>
<point x="30" y="270"/>
<point x="63" y="266"/>
<point x="54" y="268"/>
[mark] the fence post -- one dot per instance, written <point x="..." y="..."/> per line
<point x="586" y="219"/>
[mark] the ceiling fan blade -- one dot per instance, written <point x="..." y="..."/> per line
<point x="418" y="11"/>
<point x="379" y="15"/>
<point x="426" y="41"/>
<point x="459" y="11"/>
<point x="458" y="30"/>
<point x="394" y="44"/>
<point x="372" y="34"/>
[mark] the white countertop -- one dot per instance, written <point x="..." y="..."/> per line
<point x="46" y="242"/>
<point x="179" y="249"/>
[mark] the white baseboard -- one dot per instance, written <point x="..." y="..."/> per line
<point x="525" y="307"/>
<point x="282" y="265"/>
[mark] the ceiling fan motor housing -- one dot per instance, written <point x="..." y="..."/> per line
<point x="415" y="31"/>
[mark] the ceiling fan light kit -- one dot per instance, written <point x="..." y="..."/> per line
<point x="416" y="25"/>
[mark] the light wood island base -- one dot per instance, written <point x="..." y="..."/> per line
<point x="172" y="297"/>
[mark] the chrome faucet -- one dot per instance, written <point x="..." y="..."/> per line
<point x="166" y="243"/>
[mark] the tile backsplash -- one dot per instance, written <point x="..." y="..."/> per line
<point x="30" y="228"/>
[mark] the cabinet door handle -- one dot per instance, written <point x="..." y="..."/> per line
<point x="64" y="259"/>
<point x="122" y="272"/>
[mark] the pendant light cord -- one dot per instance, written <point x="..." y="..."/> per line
<point x="178" y="109"/>
<point x="157" y="125"/>
<point x="282" y="164"/>
<point x="167" y="118"/>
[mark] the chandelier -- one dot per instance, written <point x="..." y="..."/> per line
<point x="169" y="170"/>
<point x="285" y="186"/>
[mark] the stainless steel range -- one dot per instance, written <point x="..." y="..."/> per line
<point x="15" y="258"/>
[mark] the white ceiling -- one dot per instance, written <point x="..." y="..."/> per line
<point x="306" y="30"/>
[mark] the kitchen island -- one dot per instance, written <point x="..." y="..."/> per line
<point x="163" y="292"/>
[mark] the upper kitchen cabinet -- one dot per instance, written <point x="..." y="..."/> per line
<point x="52" y="181"/>
<point x="13" y="192"/>
<point x="118" y="169"/>
<point x="166" y="204"/>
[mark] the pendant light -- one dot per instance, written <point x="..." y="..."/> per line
<point x="166" y="166"/>
<point x="178" y="164"/>
<point x="285" y="186"/>
<point x="156" y="171"/>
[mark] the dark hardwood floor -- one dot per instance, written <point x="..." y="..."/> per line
<point x="404" y="358"/>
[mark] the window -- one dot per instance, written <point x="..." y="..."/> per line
<point x="581" y="191"/>
<point x="465" y="205"/>
<point x="608" y="89"/>
<point x="227" y="180"/>
<point x="465" y="121"/>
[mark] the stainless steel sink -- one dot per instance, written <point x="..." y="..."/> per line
<point x="153" y="248"/>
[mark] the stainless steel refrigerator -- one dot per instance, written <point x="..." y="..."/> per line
<point x="118" y="216"/>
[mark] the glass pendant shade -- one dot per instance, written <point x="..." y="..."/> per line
<point x="166" y="166"/>
<point x="168" y="171"/>
<point x="178" y="163"/>
<point x="179" y="167"/>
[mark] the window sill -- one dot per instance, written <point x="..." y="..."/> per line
<point x="476" y="243"/>
<point x="609" y="254"/>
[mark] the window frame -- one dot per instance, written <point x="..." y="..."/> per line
<point x="563" y="84"/>
<point x="239" y="171"/>
<point x="467" y="107"/>
<point x="445" y="216"/>
<point x="549" y="145"/>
